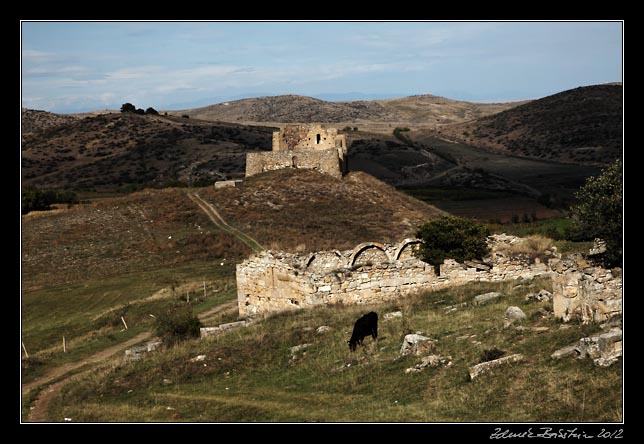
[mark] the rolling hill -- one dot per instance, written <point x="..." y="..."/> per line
<point x="113" y="151"/>
<point x="421" y="109"/>
<point x="582" y="125"/>
<point x="34" y="121"/>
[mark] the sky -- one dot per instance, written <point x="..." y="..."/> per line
<point x="84" y="66"/>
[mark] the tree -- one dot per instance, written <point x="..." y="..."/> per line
<point x="140" y="111"/>
<point x="599" y="212"/>
<point x="128" y="108"/>
<point x="152" y="111"/>
<point x="452" y="237"/>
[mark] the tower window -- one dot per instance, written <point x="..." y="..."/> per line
<point x="317" y="139"/>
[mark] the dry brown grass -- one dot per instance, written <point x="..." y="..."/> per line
<point x="304" y="210"/>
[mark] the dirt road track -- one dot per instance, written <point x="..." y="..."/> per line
<point x="41" y="403"/>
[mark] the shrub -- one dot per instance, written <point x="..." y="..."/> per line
<point x="152" y="111"/>
<point x="599" y="212"/>
<point x="452" y="237"/>
<point x="177" y="324"/>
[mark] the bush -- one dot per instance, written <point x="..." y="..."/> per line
<point x="452" y="237"/>
<point x="41" y="200"/>
<point x="152" y="111"/>
<point x="599" y="212"/>
<point x="177" y="324"/>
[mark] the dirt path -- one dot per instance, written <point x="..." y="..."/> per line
<point x="228" y="306"/>
<point x="40" y="405"/>
<point x="219" y="221"/>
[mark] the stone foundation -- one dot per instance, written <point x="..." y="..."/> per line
<point x="274" y="281"/>
<point x="592" y="294"/>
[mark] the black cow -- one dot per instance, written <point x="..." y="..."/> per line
<point x="365" y="326"/>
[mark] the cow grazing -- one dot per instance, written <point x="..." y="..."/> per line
<point x="365" y="326"/>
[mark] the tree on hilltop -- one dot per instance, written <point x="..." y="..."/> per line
<point x="128" y="108"/>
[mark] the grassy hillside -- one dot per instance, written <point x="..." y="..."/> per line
<point x="127" y="151"/>
<point x="307" y="211"/>
<point x="84" y="267"/>
<point x="250" y="375"/>
<point x="582" y="125"/>
<point x="35" y="121"/>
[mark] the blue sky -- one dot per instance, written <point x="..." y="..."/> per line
<point x="84" y="66"/>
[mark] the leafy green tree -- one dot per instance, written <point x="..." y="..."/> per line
<point x="152" y="111"/>
<point x="452" y="237"/>
<point x="139" y="111"/>
<point x="598" y="213"/>
<point x="128" y="108"/>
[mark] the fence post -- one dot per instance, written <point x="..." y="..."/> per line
<point x="64" y="345"/>
<point x="124" y="322"/>
<point x="23" y="347"/>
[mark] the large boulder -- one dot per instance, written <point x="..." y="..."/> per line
<point x="486" y="297"/>
<point x="417" y="345"/>
<point x="512" y="315"/>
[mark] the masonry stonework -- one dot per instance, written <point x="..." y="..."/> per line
<point x="592" y="294"/>
<point x="302" y="146"/>
<point x="274" y="281"/>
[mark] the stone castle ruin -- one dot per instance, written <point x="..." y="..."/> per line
<point x="303" y="146"/>
<point x="274" y="281"/>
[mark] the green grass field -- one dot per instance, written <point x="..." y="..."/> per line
<point x="89" y="314"/>
<point x="249" y="375"/>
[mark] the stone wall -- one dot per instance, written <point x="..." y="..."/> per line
<point x="303" y="146"/>
<point x="275" y="281"/>
<point x="592" y="294"/>
<point x="325" y="161"/>
<point x="307" y="138"/>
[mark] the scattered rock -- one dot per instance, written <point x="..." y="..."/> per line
<point x="167" y="381"/>
<point x="298" y="348"/>
<point x="392" y="315"/>
<point x="322" y="329"/>
<point x="603" y="349"/>
<point x="543" y="295"/>
<point x="417" y="345"/>
<point x="485" y="367"/>
<point x="571" y="350"/>
<point x="512" y="315"/>
<point x="430" y="361"/>
<point x="486" y="297"/>
<point x="198" y="358"/>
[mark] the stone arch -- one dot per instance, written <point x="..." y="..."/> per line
<point x="331" y="259"/>
<point x="360" y="249"/>
<point x="403" y="245"/>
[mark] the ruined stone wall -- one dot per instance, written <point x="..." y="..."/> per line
<point x="592" y="294"/>
<point x="370" y="273"/>
<point x="326" y="161"/>
<point x="307" y="138"/>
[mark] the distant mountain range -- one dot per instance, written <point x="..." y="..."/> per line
<point x="422" y="109"/>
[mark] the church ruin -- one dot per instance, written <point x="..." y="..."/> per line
<point x="303" y="146"/>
